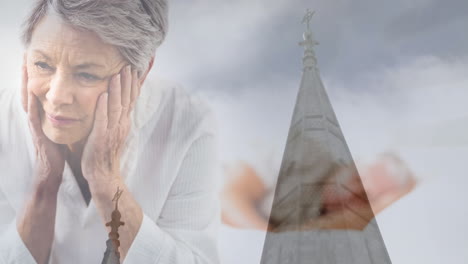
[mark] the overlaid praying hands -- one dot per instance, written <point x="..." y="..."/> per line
<point x="380" y="184"/>
<point x="364" y="195"/>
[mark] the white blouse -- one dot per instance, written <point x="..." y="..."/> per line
<point x="169" y="165"/>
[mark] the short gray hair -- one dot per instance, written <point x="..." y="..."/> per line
<point x="135" y="27"/>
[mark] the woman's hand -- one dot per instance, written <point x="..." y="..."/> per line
<point x="36" y="222"/>
<point x="50" y="157"/>
<point x="100" y="162"/>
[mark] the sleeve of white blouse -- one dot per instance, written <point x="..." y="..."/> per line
<point x="12" y="248"/>
<point x="186" y="230"/>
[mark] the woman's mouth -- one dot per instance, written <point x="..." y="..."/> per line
<point x="61" y="120"/>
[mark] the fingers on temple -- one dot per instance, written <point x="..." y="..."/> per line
<point x="114" y="102"/>
<point x="24" y="88"/>
<point x="126" y="89"/>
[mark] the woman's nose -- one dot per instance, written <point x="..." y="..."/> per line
<point x="60" y="90"/>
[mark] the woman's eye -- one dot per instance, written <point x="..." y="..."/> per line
<point x="88" y="77"/>
<point x="43" y="66"/>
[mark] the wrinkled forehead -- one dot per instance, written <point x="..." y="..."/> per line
<point x="53" y="36"/>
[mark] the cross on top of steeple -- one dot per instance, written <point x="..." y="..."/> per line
<point x="307" y="18"/>
<point x="117" y="195"/>
<point x="309" y="42"/>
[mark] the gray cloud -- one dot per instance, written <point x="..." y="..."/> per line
<point x="231" y="45"/>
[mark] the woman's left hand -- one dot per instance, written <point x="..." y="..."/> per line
<point x="100" y="162"/>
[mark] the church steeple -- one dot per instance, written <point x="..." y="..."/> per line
<point x="316" y="164"/>
<point x="112" y="254"/>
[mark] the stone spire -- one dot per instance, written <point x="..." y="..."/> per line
<point x="112" y="254"/>
<point x="316" y="164"/>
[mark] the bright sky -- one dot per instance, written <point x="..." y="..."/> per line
<point x="396" y="73"/>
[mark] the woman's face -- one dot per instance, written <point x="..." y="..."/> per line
<point x="67" y="70"/>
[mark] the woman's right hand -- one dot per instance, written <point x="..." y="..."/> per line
<point x="50" y="157"/>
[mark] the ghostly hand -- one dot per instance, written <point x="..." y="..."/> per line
<point x="378" y="186"/>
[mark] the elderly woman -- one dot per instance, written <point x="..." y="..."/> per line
<point x="90" y="122"/>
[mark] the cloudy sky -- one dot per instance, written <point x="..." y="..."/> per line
<point x="395" y="71"/>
